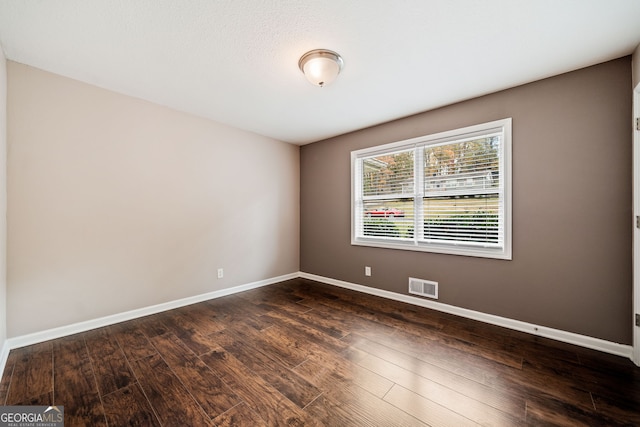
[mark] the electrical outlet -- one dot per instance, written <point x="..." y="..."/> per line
<point x="220" y="273"/>
<point x="367" y="271"/>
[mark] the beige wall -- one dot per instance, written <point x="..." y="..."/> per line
<point x="571" y="266"/>
<point x="3" y="198"/>
<point x="117" y="204"/>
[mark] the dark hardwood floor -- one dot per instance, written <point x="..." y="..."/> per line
<point x="301" y="353"/>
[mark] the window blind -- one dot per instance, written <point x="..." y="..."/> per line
<point x="388" y="187"/>
<point x="447" y="192"/>
<point x="462" y="188"/>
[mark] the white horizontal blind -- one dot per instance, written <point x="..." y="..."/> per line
<point x="388" y="186"/>
<point x="442" y="193"/>
<point x="462" y="192"/>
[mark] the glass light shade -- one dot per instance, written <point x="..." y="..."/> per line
<point x="321" y="66"/>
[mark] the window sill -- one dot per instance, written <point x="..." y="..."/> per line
<point x="453" y="249"/>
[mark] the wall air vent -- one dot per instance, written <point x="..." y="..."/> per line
<point x="425" y="288"/>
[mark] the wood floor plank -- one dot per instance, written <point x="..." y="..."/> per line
<point x="152" y="325"/>
<point x="75" y="386"/>
<point x="332" y="413"/>
<point x="273" y="407"/>
<point x="234" y="309"/>
<point x="336" y="409"/>
<point x="184" y="329"/>
<point x="354" y="318"/>
<point x="380" y="324"/>
<point x="128" y="406"/>
<point x="33" y="373"/>
<point x="535" y="344"/>
<point x="610" y="376"/>
<point x="275" y="298"/>
<point x="479" y="333"/>
<point x="605" y="363"/>
<point x="546" y="411"/>
<point x="441" y="395"/>
<point x="425" y="410"/>
<point x="382" y="311"/>
<point x="316" y="337"/>
<point x="278" y="344"/>
<point x="326" y="298"/>
<point x="355" y="323"/>
<point x="239" y="415"/>
<point x="7" y="375"/>
<point x="410" y="316"/>
<point x="618" y="407"/>
<point x="533" y="382"/>
<point x="469" y="365"/>
<point x="304" y="353"/>
<point x="285" y="380"/>
<point x="504" y="401"/>
<point x="366" y="408"/>
<point x="42" y="400"/>
<point x="171" y="401"/>
<point x="213" y="395"/>
<point x="133" y="342"/>
<point x="108" y="360"/>
<point x="200" y="318"/>
<point x="323" y="321"/>
<point x="429" y="326"/>
<point x="330" y="372"/>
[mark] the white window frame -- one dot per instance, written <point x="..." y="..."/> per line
<point x="502" y="251"/>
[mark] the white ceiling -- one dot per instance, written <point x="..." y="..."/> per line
<point x="236" y="61"/>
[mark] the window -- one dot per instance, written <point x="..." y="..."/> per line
<point x="446" y="193"/>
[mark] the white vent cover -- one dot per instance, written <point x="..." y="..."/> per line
<point x="425" y="288"/>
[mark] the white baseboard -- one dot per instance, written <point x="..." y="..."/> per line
<point x="4" y="354"/>
<point x="555" y="334"/>
<point x="37" y="337"/>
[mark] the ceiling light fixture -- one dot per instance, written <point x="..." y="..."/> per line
<point x="321" y="66"/>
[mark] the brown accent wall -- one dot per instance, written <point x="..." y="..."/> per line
<point x="636" y="67"/>
<point x="572" y="207"/>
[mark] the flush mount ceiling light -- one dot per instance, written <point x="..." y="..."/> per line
<point x="321" y="66"/>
